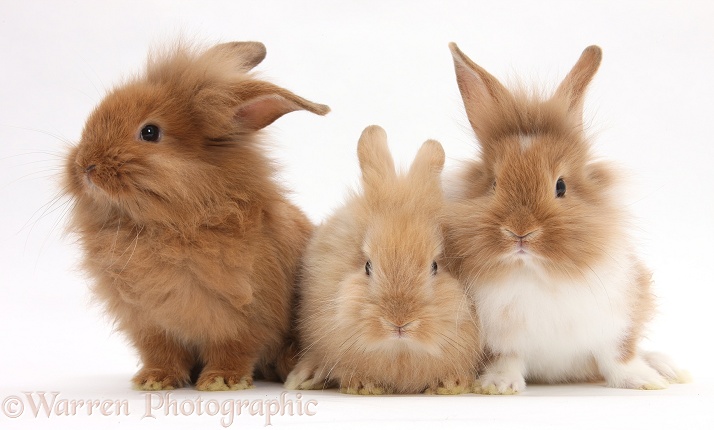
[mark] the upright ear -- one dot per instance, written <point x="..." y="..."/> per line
<point x="375" y="160"/>
<point x="481" y="92"/>
<point x="428" y="163"/>
<point x="573" y="87"/>
<point x="244" y="56"/>
<point x="262" y="103"/>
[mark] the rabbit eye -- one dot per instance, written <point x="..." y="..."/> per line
<point x="434" y="268"/>
<point x="560" y="188"/>
<point x="368" y="268"/>
<point x="150" y="133"/>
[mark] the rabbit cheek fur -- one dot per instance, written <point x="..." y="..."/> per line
<point x="397" y="324"/>
<point x="190" y="242"/>
<point x="558" y="290"/>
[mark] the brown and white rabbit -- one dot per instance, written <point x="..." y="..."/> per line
<point x="378" y="314"/>
<point x="538" y="235"/>
<point x="191" y="243"/>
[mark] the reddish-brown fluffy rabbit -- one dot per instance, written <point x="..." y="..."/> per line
<point x="191" y="243"/>
<point x="378" y="313"/>
<point x="538" y="233"/>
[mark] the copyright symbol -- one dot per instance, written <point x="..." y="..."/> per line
<point x="12" y="406"/>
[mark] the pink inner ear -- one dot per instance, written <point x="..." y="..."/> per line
<point x="262" y="111"/>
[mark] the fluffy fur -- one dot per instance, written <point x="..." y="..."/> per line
<point x="559" y="291"/>
<point x="400" y="323"/>
<point x="191" y="243"/>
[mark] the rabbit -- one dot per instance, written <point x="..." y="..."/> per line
<point x="377" y="313"/>
<point x="537" y="232"/>
<point x="191" y="243"/>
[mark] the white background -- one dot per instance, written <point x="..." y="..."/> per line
<point x="372" y="62"/>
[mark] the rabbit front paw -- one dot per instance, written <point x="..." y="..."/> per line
<point x="500" y="383"/>
<point x="363" y="387"/>
<point x="152" y="379"/>
<point x="216" y="380"/>
<point x="451" y="386"/>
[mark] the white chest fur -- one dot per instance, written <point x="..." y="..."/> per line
<point x="556" y="327"/>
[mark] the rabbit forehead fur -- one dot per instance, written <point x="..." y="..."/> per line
<point x="402" y="243"/>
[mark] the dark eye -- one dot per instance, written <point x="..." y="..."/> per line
<point x="368" y="268"/>
<point x="560" y="188"/>
<point x="494" y="185"/>
<point x="434" y="268"/>
<point x="150" y="133"/>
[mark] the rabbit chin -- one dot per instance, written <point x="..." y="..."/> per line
<point x="392" y="343"/>
<point x="526" y="259"/>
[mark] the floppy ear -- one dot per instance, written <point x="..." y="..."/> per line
<point x="244" y="56"/>
<point x="481" y="92"/>
<point x="573" y="87"/>
<point x="262" y="103"/>
<point x="375" y="160"/>
<point x="428" y="163"/>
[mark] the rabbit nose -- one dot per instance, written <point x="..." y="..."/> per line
<point x="519" y="236"/>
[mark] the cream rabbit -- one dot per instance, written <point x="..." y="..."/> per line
<point x="378" y="313"/>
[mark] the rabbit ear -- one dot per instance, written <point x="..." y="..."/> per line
<point x="428" y="163"/>
<point x="375" y="160"/>
<point x="481" y="92"/>
<point x="243" y="55"/>
<point x="262" y="103"/>
<point x="573" y="87"/>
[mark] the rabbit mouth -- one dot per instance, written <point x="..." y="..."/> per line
<point x="522" y="249"/>
<point x="520" y="242"/>
<point x="97" y="186"/>
<point x="521" y="253"/>
<point x="89" y="177"/>
<point x="400" y="331"/>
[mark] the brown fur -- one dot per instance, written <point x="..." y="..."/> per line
<point x="349" y="319"/>
<point x="643" y="308"/>
<point x="191" y="244"/>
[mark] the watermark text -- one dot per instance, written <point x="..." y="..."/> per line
<point x="37" y="404"/>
